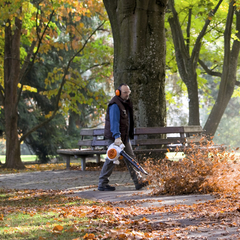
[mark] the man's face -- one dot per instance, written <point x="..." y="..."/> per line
<point x="125" y="92"/>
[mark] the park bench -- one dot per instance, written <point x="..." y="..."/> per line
<point x="147" y="140"/>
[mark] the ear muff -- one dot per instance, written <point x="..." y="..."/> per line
<point x="118" y="92"/>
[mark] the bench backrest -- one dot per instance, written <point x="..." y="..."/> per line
<point x="165" y="130"/>
<point x="144" y="136"/>
<point x="172" y="135"/>
<point x="92" y="138"/>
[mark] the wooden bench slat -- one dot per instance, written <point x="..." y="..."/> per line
<point x="85" y="143"/>
<point x="158" y="130"/>
<point x="165" y="130"/>
<point x="86" y="132"/>
<point x="149" y="151"/>
<point x="195" y="139"/>
<point x="193" y="129"/>
<point x="145" y="142"/>
<point x="96" y="142"/>
<point x="92" y="132"/>
<point x="98" y="132"/>
<point x="78" y="152"/>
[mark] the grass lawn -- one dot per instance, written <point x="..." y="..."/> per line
<point x="36" y="214"/>
<point x="25" y="158"/>
<point x="32" y="158"/>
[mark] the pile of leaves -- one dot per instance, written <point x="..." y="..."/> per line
<point x="204" y="169"/>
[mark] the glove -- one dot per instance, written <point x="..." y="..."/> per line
<point x="118" y="141"/>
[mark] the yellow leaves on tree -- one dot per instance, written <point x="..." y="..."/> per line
<point x="48" y="115"/>
<point x="27" y="88"/>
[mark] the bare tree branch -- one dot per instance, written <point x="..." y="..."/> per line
<point x="27" y="61"/>
<point x="177" y="29"/>
<point x="237" y="83"/>
<point x="209" y="71"/>
<point x="97" y="65"/>
<point x="27" y="67"/>
<point x="180" y="49"/>
<point x="2" y="94"/>
<point x="188" y="28"/>
<point x="196" y="49"/>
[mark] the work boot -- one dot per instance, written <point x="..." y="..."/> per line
<point x="106" y="188"/>
<point x="142" y="184"/>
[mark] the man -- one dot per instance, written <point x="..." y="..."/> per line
<point x="119" y="128"/>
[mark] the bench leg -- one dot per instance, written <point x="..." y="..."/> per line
<point x="98" y="158"/>
<point x="83" y="163"/>
<point x="67" y="159"/>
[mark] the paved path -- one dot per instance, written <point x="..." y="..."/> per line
<point x="60" y="179"/>
<point x="85" y="183"/>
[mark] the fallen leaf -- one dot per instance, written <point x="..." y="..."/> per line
<point x="89" y="236"/>
<point x="58" y="228"/>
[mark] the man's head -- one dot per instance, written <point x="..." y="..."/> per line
<point x="124" y="91"/>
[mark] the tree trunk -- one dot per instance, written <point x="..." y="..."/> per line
<point x="216" y="114"/>
<point x="228" y="78"/>
<point x="139" y="55"/>
<point x="186" y="66"/>
<point x="11" y="78"/>
<point x="193" y="101"/>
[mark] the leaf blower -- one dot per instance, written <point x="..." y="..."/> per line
<point x="114" y="153"/>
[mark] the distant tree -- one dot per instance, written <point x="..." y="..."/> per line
<point x="229" y="70"/>
<point x="187" y="47"/>
<point x="187" y="21"/>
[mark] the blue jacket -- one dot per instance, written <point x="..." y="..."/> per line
<point x="114" y="114"/>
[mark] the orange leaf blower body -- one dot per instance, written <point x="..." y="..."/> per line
<point x="114" y="153"/>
